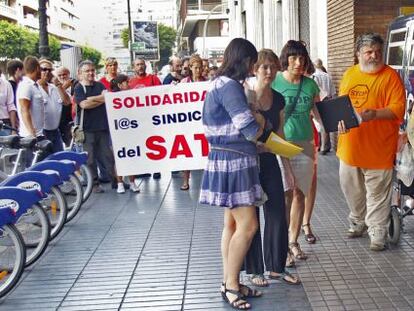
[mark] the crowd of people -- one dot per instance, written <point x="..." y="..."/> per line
<point x="239" y="114"/>
<point x="250" y="96"/>
<point x="42" y="101"/>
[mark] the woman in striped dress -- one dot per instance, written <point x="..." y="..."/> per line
<point x="231" y="179"/>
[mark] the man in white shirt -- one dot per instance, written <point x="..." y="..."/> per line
<point x="54" y="97"/>
<point x="327" y="91"/>
<point x="7" y="108"/>
<point x="30" y="102"/>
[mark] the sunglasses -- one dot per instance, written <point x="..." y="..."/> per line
<point x="46" y="69"/>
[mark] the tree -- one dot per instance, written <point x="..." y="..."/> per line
<point x="93" y="55"/>
<point x="125" y="37"/>
<point x="167" y="37"/>
<point x="54" y="46"/>
<point x="167" y="42"/>
<point x="16" y="41"/>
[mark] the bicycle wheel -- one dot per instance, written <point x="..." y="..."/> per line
<point x="34" y="226"/>
<point x="85" y="177"/>
<point x="56" y="209"/>
<point x="12" y="258"/>
<point x="72" y="190"/>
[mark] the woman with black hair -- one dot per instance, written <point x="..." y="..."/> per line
<point x="300" y="93"/>
<point x="231" y="178"/>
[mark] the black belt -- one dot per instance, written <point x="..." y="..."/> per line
<point x="6" y="121"/>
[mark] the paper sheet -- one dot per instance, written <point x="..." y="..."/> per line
<point x="281" y="147"/>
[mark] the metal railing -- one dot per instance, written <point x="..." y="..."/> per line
<point x="206" y="7"/>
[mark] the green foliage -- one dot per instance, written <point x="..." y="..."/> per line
<point x="167" y="42"/>
<point x="167" y="37"/>
<point x="93" y="55"/>
<point x="125" y="37"/>
<point x="18" y="42"/>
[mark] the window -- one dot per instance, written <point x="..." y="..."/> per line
<point x="398" y="36"/>
<point x="395" y="56"/>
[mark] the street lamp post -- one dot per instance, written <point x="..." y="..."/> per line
<point x="44" y="49"/>
<point x="131" y="55"/>
<point x="205" y="27"/>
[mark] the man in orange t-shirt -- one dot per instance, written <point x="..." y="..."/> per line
<point x="367" y="152"/>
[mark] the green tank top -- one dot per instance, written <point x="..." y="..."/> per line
<point x="297" y="118"/>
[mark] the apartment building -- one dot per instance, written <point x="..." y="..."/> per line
<point x="203" y="27"/>
<point x="116" y="13"/>
<point x="62" y="16"/>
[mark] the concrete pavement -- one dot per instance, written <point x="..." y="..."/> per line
<point x="159" y="250"/>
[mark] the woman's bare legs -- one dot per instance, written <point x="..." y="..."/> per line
<point x="186" y="180"/>
<point x="310" y="203"/>
<point x="240" y="225"/>
<point x="296" y="217"/>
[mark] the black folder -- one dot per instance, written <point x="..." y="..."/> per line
<point x="334" y="110"/>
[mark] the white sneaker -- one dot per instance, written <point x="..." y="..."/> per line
<point x="137" y="182"/>
<point x="121" y="188"/>
<point x="134" y="188"/>
<point x="378" y="238"/>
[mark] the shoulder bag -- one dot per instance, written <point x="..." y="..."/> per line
<point x="77" y="130"/>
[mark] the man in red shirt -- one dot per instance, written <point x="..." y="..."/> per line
<point x="142" y="79"/>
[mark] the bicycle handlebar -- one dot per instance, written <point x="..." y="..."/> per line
<point x="7" y="127"/>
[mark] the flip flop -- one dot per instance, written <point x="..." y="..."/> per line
<point x="284" y="276"/>
<point x="263" y="281"/>
<point x="185" y="187"/>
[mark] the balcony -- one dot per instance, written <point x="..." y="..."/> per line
<point x="199" y="13"/>
<point x="31" y="21"/>
<point x="34" y="4"/>
<point x="205" y="7"/>
<point x="8" y="12"/>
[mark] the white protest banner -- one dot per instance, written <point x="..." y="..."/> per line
<point x="159" y="128"/>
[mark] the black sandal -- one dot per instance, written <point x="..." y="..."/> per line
<point x="249" y="292"/>
<point x="239" y="303"/>
<point x="310" y="237"/>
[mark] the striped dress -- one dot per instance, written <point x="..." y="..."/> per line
<point x="231" y="178"/>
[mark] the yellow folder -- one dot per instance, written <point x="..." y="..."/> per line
<point x="281" y="147"/>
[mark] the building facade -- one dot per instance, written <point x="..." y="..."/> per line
<point x="271" y="23"/>
<point x="347" y="19"/>
<point x="203" y="28"/>
<point x="62" y="16"/>
<point x="116" y="15"/>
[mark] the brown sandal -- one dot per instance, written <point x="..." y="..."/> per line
<point x="290" y="261"/>
<point x="296" y="251"/>
<point x="310" y="237"/>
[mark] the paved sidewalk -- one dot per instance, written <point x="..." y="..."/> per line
<point x="159" y="250"/>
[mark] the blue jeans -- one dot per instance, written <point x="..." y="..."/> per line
<point x="56" y="139"/>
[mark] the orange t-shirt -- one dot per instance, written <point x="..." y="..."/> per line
<point x="373" y="144"/>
